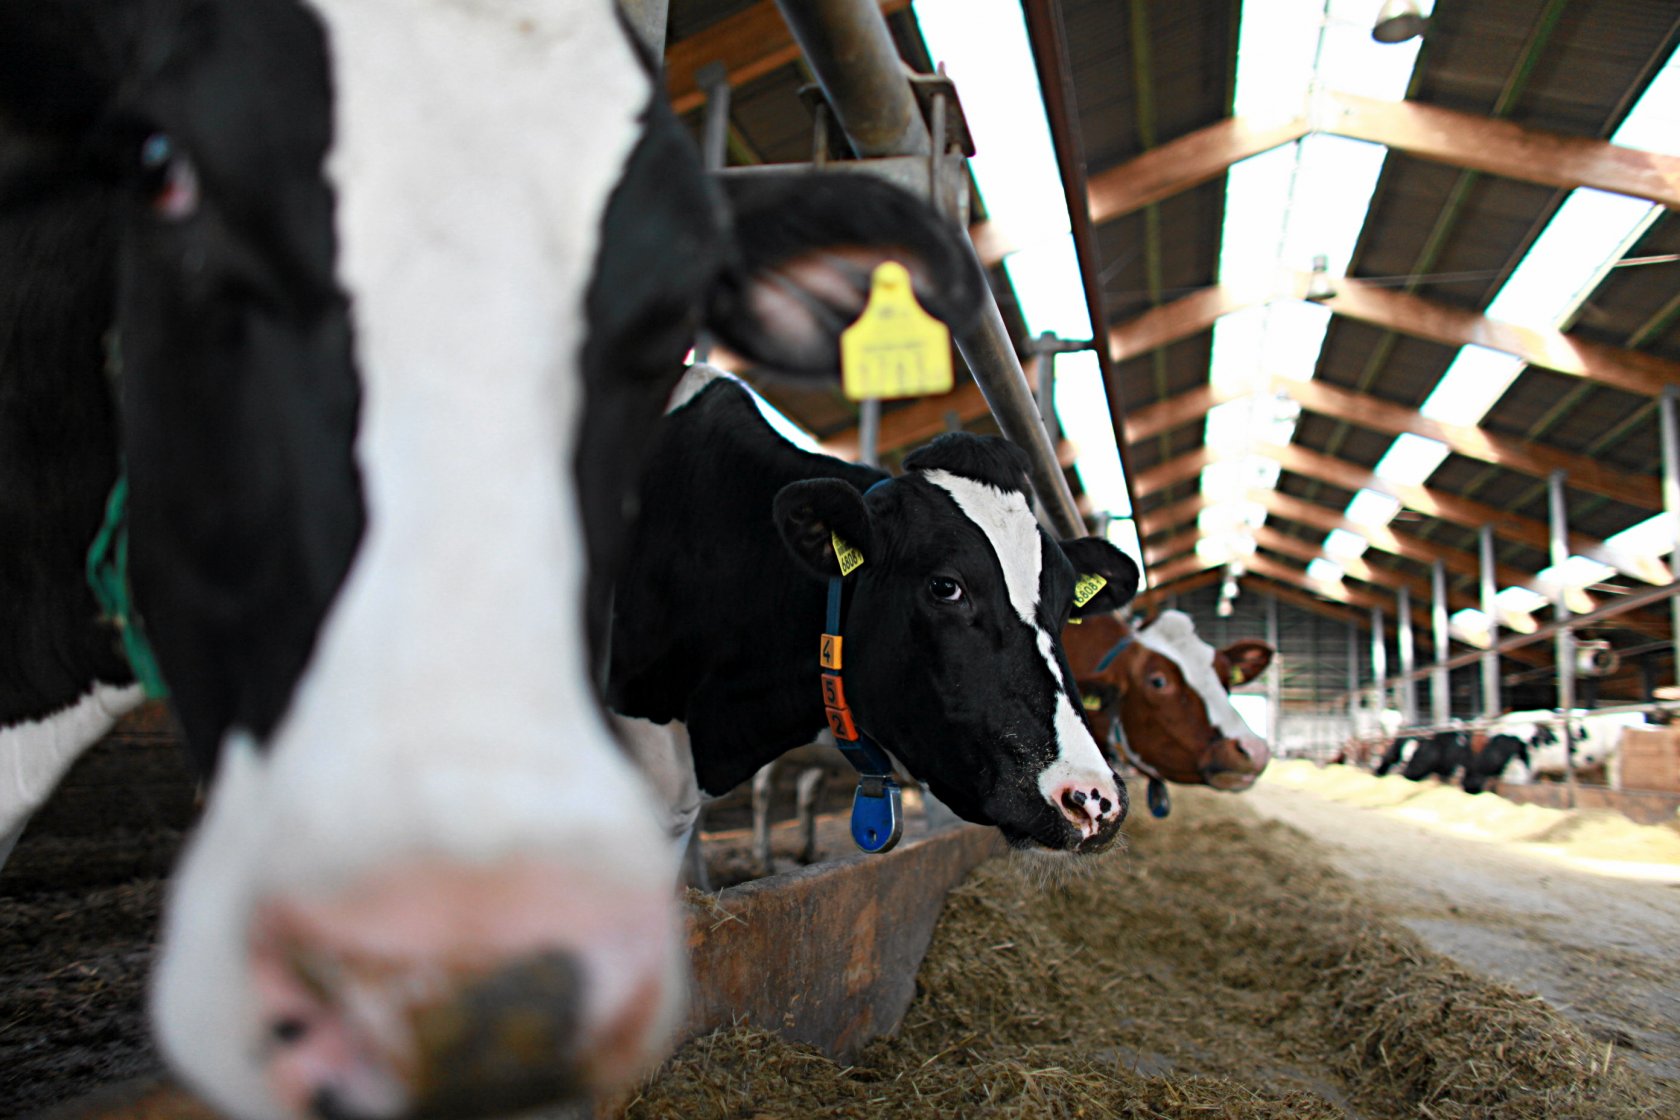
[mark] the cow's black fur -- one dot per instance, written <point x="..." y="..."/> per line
<point x="718" y="617"/>
<point x="1442" y="754"/>
<point x="1487" y="764"/>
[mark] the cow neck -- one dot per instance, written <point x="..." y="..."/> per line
<point x="877" y="811"/>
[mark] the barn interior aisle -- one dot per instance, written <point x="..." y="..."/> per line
<point x="1142" y="991"/>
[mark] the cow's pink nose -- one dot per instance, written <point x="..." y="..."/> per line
<point x="460" y="992"/>
<point x="1094" y="807"/>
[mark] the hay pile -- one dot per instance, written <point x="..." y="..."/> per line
<point x="1217" y="970"/>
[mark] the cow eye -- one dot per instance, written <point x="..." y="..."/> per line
<point x="1158" y="682"/>
<point x="168" y="178"/>
<point x="945" y="589"/>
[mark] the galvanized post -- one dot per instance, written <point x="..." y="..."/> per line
<point x="713" y="79"/>
<point x="1379" y="661"/>
<point x="1408" y="662"/>
<point x="1353" y="679"/>
<point x="1440" y="681"/>
<point x="1490" y="659"/>
<point x="869" y="431"/>
<point x="1670" y="417"/>
<point x="1274" y="679"/>
<point x="1565" y="636"/>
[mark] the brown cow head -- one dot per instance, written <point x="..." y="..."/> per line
<point x="1167" y="689"/>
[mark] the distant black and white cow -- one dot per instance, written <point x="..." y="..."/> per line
<point x="1595" y="739"/>
<point x="1398" y="752"/>
<point x="398" y="292"/>
<point x="1443" y="754"/>
<point x="1498" y="755"/>
<point x="952" y="653"/>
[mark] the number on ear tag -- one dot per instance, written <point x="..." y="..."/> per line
<point x="895" y="349"/>
<point x="850" y="558"/>
<point x="1087" y="587"/>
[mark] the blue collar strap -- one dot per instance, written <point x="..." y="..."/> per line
<point x="1108" y="658"/>
<point x="877" y="810"/>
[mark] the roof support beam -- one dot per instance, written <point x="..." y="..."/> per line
<point x="749" y="44"/>
<point x="1155" y="594"/>
<point x="1171" y="516"/>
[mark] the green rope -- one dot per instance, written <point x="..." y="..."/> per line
<point x="107" y="575"/>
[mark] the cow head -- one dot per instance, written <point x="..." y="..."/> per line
<point x="952" y="656"/>
<point x="400" y="288"/>
<point x="1169" y="692"/>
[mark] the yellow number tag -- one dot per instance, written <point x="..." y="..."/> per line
<point x="1086" y="589"/>
<point x="1090" y="703"/>
<point x="850" y="558"/>
<point x="895" y="349"/>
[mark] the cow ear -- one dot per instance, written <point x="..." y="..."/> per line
<point x="1248" y="659"/>
<point x="1096" y="556"/>
<point x="806" y="246"/>
<point x="811" y="514"/>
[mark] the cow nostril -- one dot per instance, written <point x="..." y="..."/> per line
<point x="1078" y="797"/>
<point x="1107" y="806"/>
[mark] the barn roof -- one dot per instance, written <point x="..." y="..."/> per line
<point x="1509" y="106"/>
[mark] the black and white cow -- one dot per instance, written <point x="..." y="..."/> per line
<point x="952" y="653"/>
<point x="1398" y="752"/>
<point x="1490" y="764"/>
<point x="1595" y="739"/>
<point x="399" y="289"/>
<point x="1443" y="754"/>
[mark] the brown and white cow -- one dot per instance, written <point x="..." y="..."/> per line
<point x="1159" y="694"/>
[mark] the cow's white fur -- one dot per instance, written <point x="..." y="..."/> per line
<point x="448" y="708"/>
<point x="1173" y="636"/>
<point x="36" y="754"/>
<point x="1008" y="523"/>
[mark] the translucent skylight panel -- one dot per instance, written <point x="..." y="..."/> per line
<point x="1332" y="193"/>
<point x="1324" y="571"/>
<point x="1047" y="285"/>
<point x="1577" y="571"/>
<point x="1277" y="46"/>
<point x="1411" y="459"/>
<point x="1234" y="362"/>
<point x="1256" y="200"/>
<point x="1589" y="233"/>
<point x="1082" y="407"/>
<point x="1293" y="339"/>
<point x="1372" y="507"/>
<point x="984" y="46"/>
<point x="1475" y="380"/>
<point x="1353" y="62"/>
<point x="1345" y="545"/>
<point x="1521" y="599"/>
<point x="1654" y="123"/>
<point x="1652" y="537"/>
<point x="1123" y="534"/>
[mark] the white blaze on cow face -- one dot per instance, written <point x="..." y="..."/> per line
<point x="1173" y="636"/>
<point x="448" y="715"/>
<point x="1010" y="528"/>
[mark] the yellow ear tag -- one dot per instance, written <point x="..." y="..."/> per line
<point x="1237" y="675"/>
<point x="1086" y="589"/>
<point x="850" y="558"/>
<point x="895" y="349"/>
<point x="1090" y="703"/>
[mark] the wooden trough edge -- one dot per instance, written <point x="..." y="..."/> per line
<point x="826" y="955"/>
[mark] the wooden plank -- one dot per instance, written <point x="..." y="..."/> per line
<point x="1535" y="459"/>
<point x="1171" y="472"/>
<point x="1182" y="318"/>
<point x="750" y="44"/>
<point x="1174" y="545"/>
<point x="1173" y="412"/>
<point x="1632" y="371"/>
<point x="1180" y="164"/>
<point x="1155" y="594"/>
<point x="1499" y="147"/>
<point x="1178" y="567"/>
<point x="1170" y="516"/>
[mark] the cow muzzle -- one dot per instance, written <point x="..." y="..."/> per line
<point x="489" y="995"/>
<point x="1095" y="807"/>
<point x="1234" y="764"/>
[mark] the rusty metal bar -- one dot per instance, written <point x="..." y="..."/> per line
<point x="852" y="55"/>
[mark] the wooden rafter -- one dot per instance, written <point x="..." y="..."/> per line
<point x="1178" y="567"/>
<point x="749" y="44"/>
<point x="1180" y="542"/>
<point x="1156" y="593"/>
<point x="1171" y="516"/>
<point x="1426" y="131"/>
<point x="1181" y="468"/>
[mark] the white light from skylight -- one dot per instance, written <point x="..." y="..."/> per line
<point x="1346" y="545"/>
<point x="1521" y="599"/>
<point x="1653" y="125"/>
<point x="1475" y="380"/>
<point x="790" y="431"/>
<point x="1372" y="507"/>
<point x="1045" y="276"/>
<point x="1588" y="234"/>
<point x="1653" y="536"/>
<point x="1082" y="407"/>
<point x="1410" y="459"/>
<point x="1123" y="534"/>
<point x="1324" y="571"/>
<point x="1577" y="571"/>
<point x="984" y="46"/>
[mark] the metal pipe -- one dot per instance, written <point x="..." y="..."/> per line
<point x="648" y="18"/>
<point x="1403" y="635"/>
<point x="852" y="54"/>
<point x="1379" y="660"/>
<point x="1274" y="679"/>
<point x="1669" y="416"/>
<point x="869" y="431"/>
<point x="1565" y="636"/>
<point x="1490" y="658"/>
<point x="1440" y="681"/>
<point x="854" y="60"/>
<point x="1353" y="679"/>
